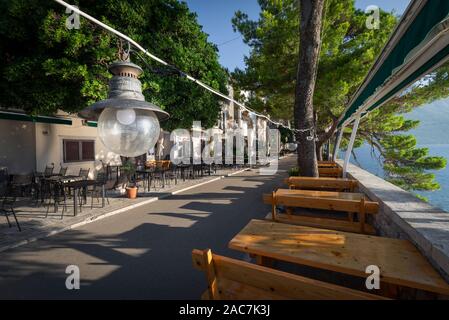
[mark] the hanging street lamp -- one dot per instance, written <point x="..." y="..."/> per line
<point x="127" y="124"/>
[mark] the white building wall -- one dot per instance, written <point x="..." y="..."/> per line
<point x="17" y="146"/>
<point x="49" y="147"/>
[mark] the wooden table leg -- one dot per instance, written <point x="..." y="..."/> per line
<point x="351" y="216"/>
<point x="264" y="261"/>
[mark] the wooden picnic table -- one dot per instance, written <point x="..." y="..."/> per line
<point x="400" y="262"/>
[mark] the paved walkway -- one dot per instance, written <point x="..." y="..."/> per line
<point x="36" y="224"/>
<point x="143" y="253"/>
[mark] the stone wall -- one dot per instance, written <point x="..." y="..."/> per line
<point x="404" y="216"/>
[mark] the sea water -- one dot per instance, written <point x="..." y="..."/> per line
<point x="432" y="133"/>
<point x="369" y="162"/>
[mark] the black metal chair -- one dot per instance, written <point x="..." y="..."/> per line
<point x="84" y="173"/>
<point x="186" y="171"/>
<point x="58" y="193"/>
<point x="4" y="180"/>
<point x="62" y="171"/>
<point x="21" y="183"/>
<point x="158" y="175"/>
<point x="7" y="207"/>
<point x="41" y="189"/>
<point x="96" y="191"/>
<point x="49" y="170"/>
<point x="172" y="174"/>
<point x="140" y="177"/>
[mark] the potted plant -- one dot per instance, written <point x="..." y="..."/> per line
<point x="129" y="168"/>
<point x="294" y="172"/>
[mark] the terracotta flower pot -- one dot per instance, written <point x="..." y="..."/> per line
<point x="131" y="192"/>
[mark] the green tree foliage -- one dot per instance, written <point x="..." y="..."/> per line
<point x="405" y="164"/>
<point x="45" y="67"/>
<point x="349" y="49"/>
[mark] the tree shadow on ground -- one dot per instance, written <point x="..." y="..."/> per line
<point x="140" y="254"/>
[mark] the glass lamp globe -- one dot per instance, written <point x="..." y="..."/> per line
<point x="128" y="132"/>
<point x="291" y="146"/>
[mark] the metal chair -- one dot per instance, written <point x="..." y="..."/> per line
<point x="96" y="191"/>
<point x="22" y="183"/>
<point x="62" y="171"/>
<point x="49" y="170"/>
<point x="4" y="180"/>
<point x="59" y="195"/>
<point x="84" y="173"/>
<point x="158" y="175"/>
<point x="172" y="173"/>
<point x="7" y="207"/>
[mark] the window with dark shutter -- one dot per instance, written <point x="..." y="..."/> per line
<point x="78" y="150"/>
<point x="88" y="150"/>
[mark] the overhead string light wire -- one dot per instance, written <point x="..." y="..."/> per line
<point x="187" y="76"/>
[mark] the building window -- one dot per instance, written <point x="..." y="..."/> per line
<point x="79" y="150"/>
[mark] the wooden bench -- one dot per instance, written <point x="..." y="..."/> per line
<point x="230" y="279"/>
<point x="331" y="184"/>
<point x="332" y="201"/>
<point x="330" y="172"/>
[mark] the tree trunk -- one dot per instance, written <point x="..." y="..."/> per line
<point x="319" y="151"/>
<point x="310" y="39"/>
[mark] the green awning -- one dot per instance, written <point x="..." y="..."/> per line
<point x="419" y="45"/>
<point x="93" y="124"/>
<point x="6" y="115"/>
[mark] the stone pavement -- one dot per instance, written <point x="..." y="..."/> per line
<point x="36" y="225"/>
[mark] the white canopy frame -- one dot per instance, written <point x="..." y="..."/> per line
<point x="351" y="144"/>
<point x="337" y="143"/>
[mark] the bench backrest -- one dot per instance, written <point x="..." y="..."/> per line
<point x="328" y="164"/>
<point x="344" y="205"/>
<point x="230" y="279"/>
<point x="321" y="183"/>
<point x="330" y="172"/>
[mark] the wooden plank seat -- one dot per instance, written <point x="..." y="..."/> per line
<point x="323" y="200"/>
<point x="230" y="279"/>
<point x="330" y="184"/>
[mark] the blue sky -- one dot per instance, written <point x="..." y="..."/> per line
<point x="215" y="17"/>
